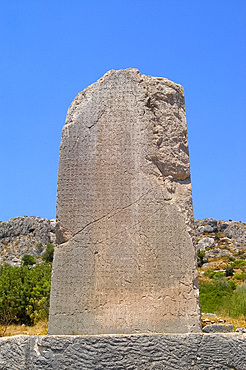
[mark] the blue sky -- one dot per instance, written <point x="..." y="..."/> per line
<point x="51" y="50"/>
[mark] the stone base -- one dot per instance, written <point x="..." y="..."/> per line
<point x="142" y="352"/>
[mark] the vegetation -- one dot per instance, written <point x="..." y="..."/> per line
<point x="238" y="263"/>
<point x="200" y="258"/>
<point x="49" y="253"/>
<point x="235" y="306"/>
<point x="41" y="328"/>
<point x="213" y="294"/>
<point x="27" y="260"/>
<point x="223" y="293"/>
<point x="229" y="271"/>
<point x="25" y="291"/>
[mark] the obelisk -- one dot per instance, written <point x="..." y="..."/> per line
<point x="125" y="261"/>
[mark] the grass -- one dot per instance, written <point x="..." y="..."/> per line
<point x="41" y="328"/>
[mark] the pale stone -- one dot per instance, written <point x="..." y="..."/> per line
<point x="125" y="262"/>
<point x="218" y="328"/>
<point x="118" y="352"/>
<point x="204" y="243"/>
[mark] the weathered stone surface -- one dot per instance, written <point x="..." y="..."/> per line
<point x="218" y="328"/>
<point x="21" y="235"/>
<point x="125" y="261"/>
<point x="120" y="352"/>
<point x="240" y="330"/>
<point x="204" y="243"/>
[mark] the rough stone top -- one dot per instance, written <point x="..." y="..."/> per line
<point x="141" y="77"/>
<point x="134" y="74"/>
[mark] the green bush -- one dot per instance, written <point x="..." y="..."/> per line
<point x="49" y="253"/>
<point x="28" y="260"/>
<point x="209" y="273"/>
<point x="238" y="263"/>
<point x="235" y="305"/>
<point x="240" y="276"/>
<point x="229" y="270"/>
<point x="212" y="274"/>
<point x="39" y="247"/>
<point x="200" y="258"/>
<point x="218" y="274"/>
<point x="25" y="292"/>
<point x="212" y="294"/>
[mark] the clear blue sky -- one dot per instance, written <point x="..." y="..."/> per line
<point x="51" y="50"/>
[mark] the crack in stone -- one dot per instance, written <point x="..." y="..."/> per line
<point x="133" y="226"/>
<point x="110" y="216"/>
<point x="96" y="121"/>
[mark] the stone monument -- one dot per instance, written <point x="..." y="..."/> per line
<point x="125" y="261"/>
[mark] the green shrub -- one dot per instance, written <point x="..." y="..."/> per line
<point x="25" y="292"/>
<point x="232" y="284"/>
<point x="200" y="258"/>
<point x="229" y="270"/>
<point x="218" y="274"/>
<point x="39" y="247"/>
<point x="209" y="273"/>
<point x="38" y="307"/>
<point x="238" y="263"/>
<point x="241" y="254"/>
<point x="28" y="260"/>
<point x="240" y="276"/>
<point x="49" y="253"/>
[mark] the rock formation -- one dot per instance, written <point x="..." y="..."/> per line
<point x="125" y="262"/>
<point x="220" y="239"/>
<point x="24" y="235"/>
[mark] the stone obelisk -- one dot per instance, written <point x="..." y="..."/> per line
<point x="125" y="261"/>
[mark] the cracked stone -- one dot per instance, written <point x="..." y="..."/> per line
<point x="124" y="212"/>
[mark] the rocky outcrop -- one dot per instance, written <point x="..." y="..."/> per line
<point x="220" y="238"/>
<point x="24" y="235"/>
<point x="118" y="352"/>
<point x="213" y="229"/>
<point x="125" y="262"/>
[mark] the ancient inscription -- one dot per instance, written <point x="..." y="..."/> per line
<point x="125" y="262"/>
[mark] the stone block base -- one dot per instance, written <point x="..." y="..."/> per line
<point x="158" y="351"/>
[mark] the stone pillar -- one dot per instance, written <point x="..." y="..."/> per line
<point x="125" y="261"/>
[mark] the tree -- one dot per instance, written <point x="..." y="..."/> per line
<point x="28" y="260"/>
<point x="49" y="253"/>
<point x="24" y="293"/>
<point x="229" y="270"/>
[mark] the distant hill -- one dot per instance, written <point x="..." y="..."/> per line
<point x="220" y="240"/>
<point x="24" y="235"/>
